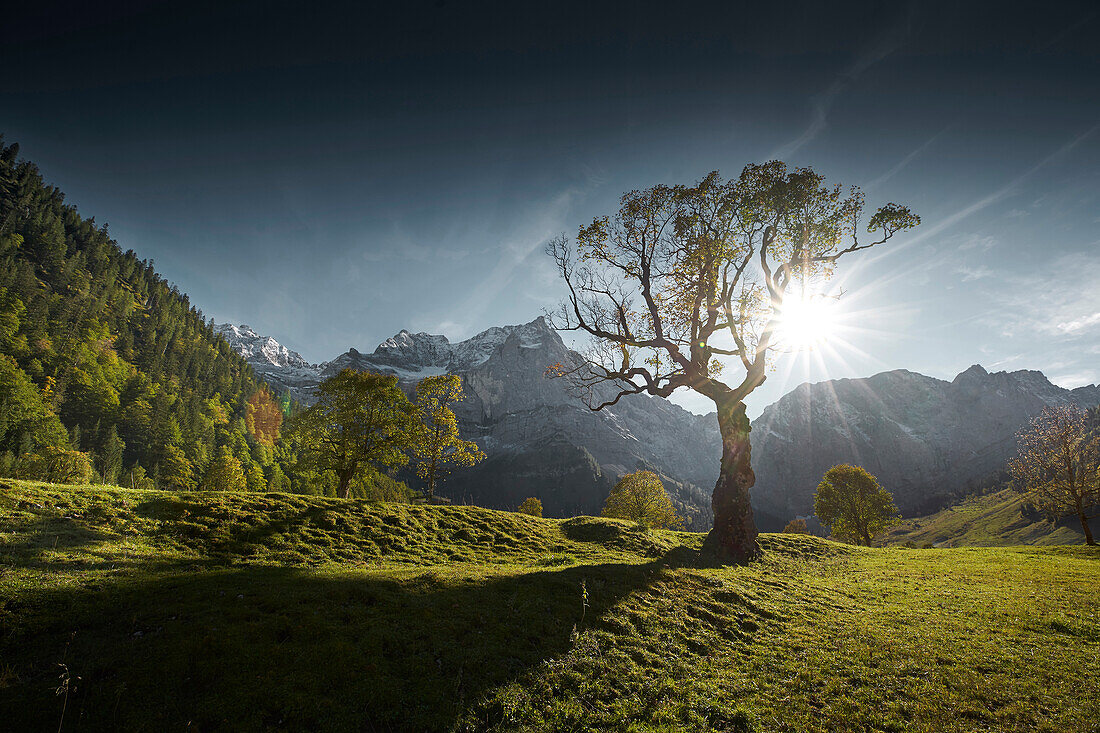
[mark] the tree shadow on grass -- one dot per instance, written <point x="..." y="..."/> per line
<point x="191" y="520"/>
<point x="31" y="538"/>
<point x="260" y="648"/>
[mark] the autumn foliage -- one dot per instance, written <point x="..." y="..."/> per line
<point x="531" y="506"/>
<point x="640" y="497"/>
<point x="263" y="417"/>
<point x="1058" y="464"/>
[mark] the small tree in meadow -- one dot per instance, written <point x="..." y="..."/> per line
<point x="640" y="497"/>
<point x="531" y="506"/>
<point x="1058" y="464"/>
<point x="436" y="444"/>
<point x="796" y="526"/>
<point x="360" y="419"/>
<point x="853" y="505"/>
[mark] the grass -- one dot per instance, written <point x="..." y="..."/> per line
<point x="998" y="519"/>
<point x="270" y="612"/>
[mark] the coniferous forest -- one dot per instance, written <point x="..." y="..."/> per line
<point x="108" y="374"/>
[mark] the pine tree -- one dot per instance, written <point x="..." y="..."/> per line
<point x="224" y="473"/>
<point x="176" y="472"/>
<point x="110" y="456"/>
<point x="255" y="478"/>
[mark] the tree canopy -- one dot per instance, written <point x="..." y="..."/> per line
<point x="360" y="418"/>
<point x="1058" y="464"/>
<point x="436" y="444"/>
<point x="684" y="279"/>
<point x="640" y="497"/>
<point x="531" y="506"/>
<point x="853" y="505"/>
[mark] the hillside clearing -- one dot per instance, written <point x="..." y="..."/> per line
<point x="275" y="611"/>
<point x="998" y="519"/>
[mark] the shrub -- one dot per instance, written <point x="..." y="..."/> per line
<point x="796" y="526"/>
<point x="374" y="485"/>
<point x="640" y="497"/>
<point x="531" y="506"/>
<point x="57" y="465"/>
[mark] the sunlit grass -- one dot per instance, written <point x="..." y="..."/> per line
<point x="353" y="616"/>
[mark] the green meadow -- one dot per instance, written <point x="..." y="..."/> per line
<point x="159" y="611"/>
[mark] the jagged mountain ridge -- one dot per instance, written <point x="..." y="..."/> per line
<point x="284" y="370"/>
<point x="540" y="439"/>
<point x="924" y="438"/>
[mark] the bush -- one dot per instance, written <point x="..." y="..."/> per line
<point x="640" y="497"/>
<point x="57" y="466"/>
<point x="853" y="505"/>
<point x="531" y="506"/>
<point x="796" y="526"/>
<point x="374" y="485"/>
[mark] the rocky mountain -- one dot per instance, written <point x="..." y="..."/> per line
<point x="924" y="438"/>
<point x="539" y="439"/>
<point x="284" y="370"/>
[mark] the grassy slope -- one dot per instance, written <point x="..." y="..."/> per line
<point x="991" y="520"/>
<point x="252" y="612"/>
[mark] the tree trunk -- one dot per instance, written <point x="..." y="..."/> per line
<point x="345" y="483"/>
<point x="734" y="528"/>
<point x="1085" y="528"/>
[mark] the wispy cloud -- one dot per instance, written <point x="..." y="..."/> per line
<point x="980" y="242"/>
<point x="1060" y="301"/>
<point x="974" y="273"/>
<point x="822" y="103"/>
<point x="1001" y="193"/>
<point x="1072" y="380"/>
<point x="907" y="159"/>
<point x="519" y="258"/>
<point x="401" y="249"/>
<point x="1078" y="325"/>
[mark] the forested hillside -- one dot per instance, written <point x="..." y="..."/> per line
<point x="107" y="372"/>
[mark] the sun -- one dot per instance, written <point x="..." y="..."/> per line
<point x="806" y="322"/>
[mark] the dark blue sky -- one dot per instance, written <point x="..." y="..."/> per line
<point x="330" y="174"/>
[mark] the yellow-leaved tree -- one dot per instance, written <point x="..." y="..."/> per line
<point x="436" y="444"/>
<point x="530" y="505"/>
<point x="640" y="497"/>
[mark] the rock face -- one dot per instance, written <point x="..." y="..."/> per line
<point x="283" y="369"/>
<point x="539" y="439"/>
<point x="923" y="438"/>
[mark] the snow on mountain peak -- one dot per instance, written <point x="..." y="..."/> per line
<point x="256" y="348"/>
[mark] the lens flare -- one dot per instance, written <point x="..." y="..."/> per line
<point x="806" y="322"/>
